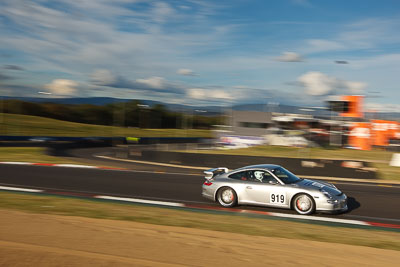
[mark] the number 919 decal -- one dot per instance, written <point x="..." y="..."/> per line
<point x="277" y="198"/>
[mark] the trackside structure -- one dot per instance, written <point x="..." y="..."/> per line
<point x="364" y="134"/>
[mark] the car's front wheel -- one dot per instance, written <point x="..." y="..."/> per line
<point x="303" y="204"/>
<point x="227" y="197"/>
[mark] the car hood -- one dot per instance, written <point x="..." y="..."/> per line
<point x="318" y="185"/>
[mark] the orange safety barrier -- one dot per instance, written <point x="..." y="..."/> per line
<point x="360" y="136"/>
<point x="384" y="130"/>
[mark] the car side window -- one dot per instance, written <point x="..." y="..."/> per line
<point x="280" y="174"/>
<point x="262" y="176"/>
<point x="244" y="176"/>
<point x="268" y="178"/>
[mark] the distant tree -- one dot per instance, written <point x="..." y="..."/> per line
<point x="126" y="114"/>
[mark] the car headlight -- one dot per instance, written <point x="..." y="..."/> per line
<point x="329" y="197"/>
<point x="327" y="194"/>
<point x="332" y="201"/>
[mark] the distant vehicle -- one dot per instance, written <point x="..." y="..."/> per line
<point x="273" y="186"/>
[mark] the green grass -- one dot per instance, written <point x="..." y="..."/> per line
<point x="200" y="220"/>
<point x="30" y="154"/>
<point x="387" y="172"/>
<point x="375" y="155"/>
<point x="379" y="158"/>
<point x="14" y="124"/>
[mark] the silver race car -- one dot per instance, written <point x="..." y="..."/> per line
<point x="272" y="186"/>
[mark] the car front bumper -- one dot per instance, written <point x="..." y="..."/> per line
<point x="337" y="205"/>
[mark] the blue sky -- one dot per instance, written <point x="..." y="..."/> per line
<point x="203" y="52"/>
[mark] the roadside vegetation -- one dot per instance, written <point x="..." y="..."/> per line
<point x="125" y="114"/>
<point x="235" y="223"/>
<point x="25" y="125"/>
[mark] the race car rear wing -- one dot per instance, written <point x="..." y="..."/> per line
<point x="211" y="173"/>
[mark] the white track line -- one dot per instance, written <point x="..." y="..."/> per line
<point x="20" y="189"/>
<point x="76" y="166"/>
<point x="176" y="204"/>
<point x="16" y="163"/>
<point x="274" y="214"/>
<point x="144" y="201"/>
<point x="315" y="218"/>
<point x="154" y="163"/>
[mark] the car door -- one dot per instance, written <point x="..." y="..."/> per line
<point x="263" y="189"/>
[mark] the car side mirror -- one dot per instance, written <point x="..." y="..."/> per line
<point x="272" y="182"/>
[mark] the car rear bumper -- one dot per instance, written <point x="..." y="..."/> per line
<point x="208" y="192"/>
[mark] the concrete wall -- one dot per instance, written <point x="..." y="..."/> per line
<point x="238" y="118"/>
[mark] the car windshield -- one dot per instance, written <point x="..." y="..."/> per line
<point x="286" y="176"/>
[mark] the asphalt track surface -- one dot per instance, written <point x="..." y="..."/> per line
<point x="366" y="201"/>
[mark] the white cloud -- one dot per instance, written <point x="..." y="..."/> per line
<point x="141" y="39"/>
<point x="364" y="34"/>
<point x="162" y="11"/>
<point x="103" y="77"/>
<point x="290" y="57"/>
<point x="151" y="86"/>
<point x="319" y="45"/>
<point x="186" y="72"/>
<point x="153" y="82"/>
<point x="108" y="34"/>
<point x="354" y="87"/>
<point x="219" y="94"/>
<point x="208" y="94"/>
<point x="389" y="61"/>
<point x="371" y="32"/>
<point x="318" y="84"/>
<point x="62" y="87"/>
<point x="377" y="107"/>
<point x="196" y="93"/>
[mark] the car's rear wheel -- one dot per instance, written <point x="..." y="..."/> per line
<point x="227" y="197"/>
<point x="303" y="204"/>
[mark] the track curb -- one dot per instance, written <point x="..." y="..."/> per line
<point x="206" y="208"/>
<point x="61" y="165"/>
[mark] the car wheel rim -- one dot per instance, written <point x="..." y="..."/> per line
<point x="303" y="203"/>
<point x="227" y="196"/>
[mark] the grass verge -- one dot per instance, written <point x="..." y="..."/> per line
<point x="375" y="155"/>
<point x="201" y="220"/>
<point x="30" y="154"/>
